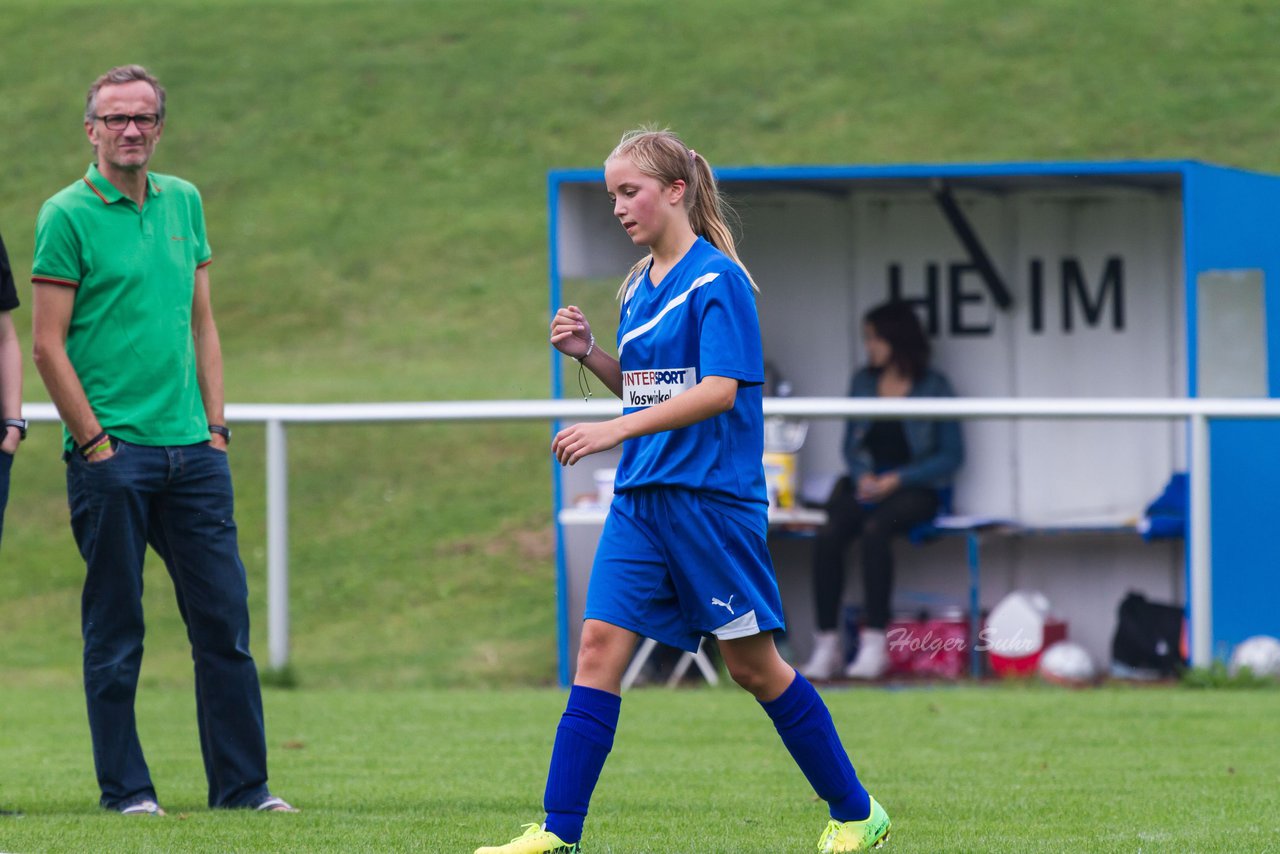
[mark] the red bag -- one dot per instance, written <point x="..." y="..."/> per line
<point x="933" y="648"/>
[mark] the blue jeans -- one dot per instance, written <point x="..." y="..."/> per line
<point x="6" y="463"/>
<point x="179" y="500"/>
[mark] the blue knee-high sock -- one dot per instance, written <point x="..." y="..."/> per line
<point x="807" y="730"/>
<point x="583" y="741"/>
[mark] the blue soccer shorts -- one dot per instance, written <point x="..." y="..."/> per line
<point x="672" y="565"/>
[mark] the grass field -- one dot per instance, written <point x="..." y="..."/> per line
<point x="1006" y="769"/>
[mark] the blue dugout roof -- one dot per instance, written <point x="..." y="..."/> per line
<point x="986" y="175"/>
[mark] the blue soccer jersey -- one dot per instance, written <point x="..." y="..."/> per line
<point x="699" y="321"/>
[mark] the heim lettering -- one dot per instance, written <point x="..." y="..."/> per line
<point x="964" y="310"/>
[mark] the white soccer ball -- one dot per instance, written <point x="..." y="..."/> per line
<point x="1260" y="653"/>
<point x="1068" y="663"/>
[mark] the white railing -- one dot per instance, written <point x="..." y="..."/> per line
<point x="1197" y="411"/>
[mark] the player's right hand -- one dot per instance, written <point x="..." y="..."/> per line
<point x="573" y="443"/>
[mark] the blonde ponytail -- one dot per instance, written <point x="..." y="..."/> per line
<point x="662" y="155"/>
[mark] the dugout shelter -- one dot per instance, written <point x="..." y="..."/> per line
<point x="1126" y="279"/>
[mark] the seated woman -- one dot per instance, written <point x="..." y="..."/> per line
<point x="898" y="470"/>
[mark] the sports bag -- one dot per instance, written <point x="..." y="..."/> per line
<point x="1149" y="637"/>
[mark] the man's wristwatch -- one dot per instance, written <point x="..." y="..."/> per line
<point x="20" y="423"/>
<point x="222" y="431"/>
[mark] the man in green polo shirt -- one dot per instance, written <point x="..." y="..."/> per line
<point x="126" y="344"/>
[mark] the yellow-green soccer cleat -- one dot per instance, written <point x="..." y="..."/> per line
<point x="871" y="832"/>
<point x="535" y="840"/>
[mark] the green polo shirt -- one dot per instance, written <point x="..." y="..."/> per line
<point x="133" y="271"/>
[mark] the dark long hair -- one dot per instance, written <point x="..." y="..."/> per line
<point x="896" y="322"/>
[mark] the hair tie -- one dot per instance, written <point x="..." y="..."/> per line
<point x="693" y="155"/>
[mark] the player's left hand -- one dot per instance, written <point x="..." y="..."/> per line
<point x="570" y="332"/>
<point x="573" y="443"/>
<point x="218" y="442"/>
<point x="10" y="441"/>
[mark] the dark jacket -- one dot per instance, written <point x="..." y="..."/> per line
<point x="937" y="448"/>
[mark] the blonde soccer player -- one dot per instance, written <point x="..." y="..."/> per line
<point x="683" y="553"/>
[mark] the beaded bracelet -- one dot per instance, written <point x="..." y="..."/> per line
<point x="591" y="348"/>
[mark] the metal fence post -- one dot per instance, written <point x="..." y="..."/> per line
<point x="277" y="545"/>
<point x="1200" y="599"/>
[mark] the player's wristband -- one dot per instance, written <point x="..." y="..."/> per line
<point x="94" y="444"/>
<point x="222" y="431"/>
<point x="591" y="348"/>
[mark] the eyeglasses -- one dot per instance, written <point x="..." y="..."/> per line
<point x="119" y="121"/>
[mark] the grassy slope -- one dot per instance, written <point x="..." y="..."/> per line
<point x="374" y="175"/>
<point x="1018" y="770"/>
